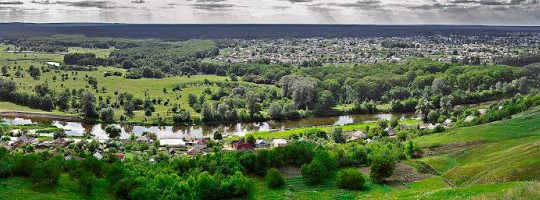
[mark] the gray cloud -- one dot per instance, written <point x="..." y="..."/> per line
<point x="11" y="3"/>
<point x="362" y="4"/>
<point x="300" y="1"/>
<point x="212" y="6"/>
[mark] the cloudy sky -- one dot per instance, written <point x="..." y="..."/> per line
<point x="491" y="12"/>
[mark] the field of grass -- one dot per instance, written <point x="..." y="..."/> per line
<point x="100" y="53"/>
<point x="496" y="152"/>
<point x="429" y="189"/>
<point x="112" y="84"/>
<point x="7" y="106"/>
<point x="22" y="189"/>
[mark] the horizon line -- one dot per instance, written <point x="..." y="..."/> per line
<point x="297" y="24"/>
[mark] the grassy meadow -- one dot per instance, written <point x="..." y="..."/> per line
<point x="77" y="80"/>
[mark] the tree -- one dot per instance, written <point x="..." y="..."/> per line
<point x="275" y="110"/>
<point x="183" y="116"/>
<point x="63" y="100"/>
<point x="314" y="172"/>
<point x="251" y="140"/>
<point x="113" y="131"/>
<point x="301" y="89"/>
<point x="523" y="86"/>
<point x="59" y="134"/>
<point x="447" y="103"/>
<point x="351" y="179"/>
<point x="5" y="71"/>
<point x="34" y="72"/>
<point x="48" y="172"/>
<point x="86" y="182"/>
<point x="326" y="100"/>
<point x="274" y="179"/>
<point x="218" y="135"/>
<point x="424" y="106"/>
<point x="337" y="134"/>
<point x="7" y="88"/>
<point x="441" y="85"/>
<point x="88" y="107"/>
<point x="107" y="114"/>
<point x="206" y="112"/>
<point x="382" y="164"/>
<point x="253" y="103"/>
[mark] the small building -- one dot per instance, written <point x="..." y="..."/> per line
<point x="144" y="139"/>
<point x="193" y="151"/>
<point x="279" y="142"/>
<point x="55" y="64"/>
<point x="119" y="156"/>
<point x="261" y="143"/>
<point x="390" y="131"/>
<point x="98" y="156"/>
<point x="358" y="135"/>
<point x="241" y="145"/>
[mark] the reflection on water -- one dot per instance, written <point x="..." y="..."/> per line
<point x="198" y="131"/>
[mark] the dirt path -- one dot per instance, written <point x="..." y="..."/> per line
<point x="37" y="115"/>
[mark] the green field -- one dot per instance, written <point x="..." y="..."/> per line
<point x="22" y="189"/>
<point x="138" y="87"/>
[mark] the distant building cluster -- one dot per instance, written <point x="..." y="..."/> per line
<point x="452" y="48"/>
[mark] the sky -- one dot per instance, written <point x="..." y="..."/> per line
<point x="482" y="12"/>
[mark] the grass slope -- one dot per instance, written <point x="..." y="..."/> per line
<point x="496" y="152"/>
<point x="21" y="189"/>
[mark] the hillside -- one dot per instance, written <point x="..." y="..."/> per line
<point x="499" y="160"/>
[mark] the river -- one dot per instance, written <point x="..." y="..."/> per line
<point x="198" y="131"/>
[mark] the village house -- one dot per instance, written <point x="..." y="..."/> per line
<point x="241" y="145"/>
<point x="260" y="143"/>
<point x="279" y="142"/>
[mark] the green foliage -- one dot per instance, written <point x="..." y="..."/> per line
<point x="337" y="135"/>
<point x="314" y="172"/>
<point x="382" y="164"/>
<point x="274" y="179"/>
<point x="351" y="179"/>
<point x="113" y="131"/>
<point x="46" y="174"/>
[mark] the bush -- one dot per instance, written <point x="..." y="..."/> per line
<point x="86" y="182"/>
<point x="113" y="131"/>
<point x="274" y="178"/>
<point x="5" y="169"/>
<point x="382" y="165"/>
<point x="48" y="172"/>
<point x="236" y="186"/>
<point x="351" y="179"/>
<point x="59" y="134"/>
<point x="314" y="172"/>
<point x="24" y="165"/>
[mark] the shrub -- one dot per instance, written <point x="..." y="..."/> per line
<point x="48" y="172"/>
<point x="337" y="134"/>
<point x="382" y="165"/>
<point x="274" y="178"/>
<point x="86" y="182"/>
<point x="5" y="169"/>
<point x="24" y="165"/>
<point x="113" y="131"/>
<point x="59" y="134"/>
<point x="351" y="179"/>
<point x="236" y="186"/>
<point x="314" y="172"/>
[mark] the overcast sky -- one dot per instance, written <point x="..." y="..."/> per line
<point x="492" y="12"/>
